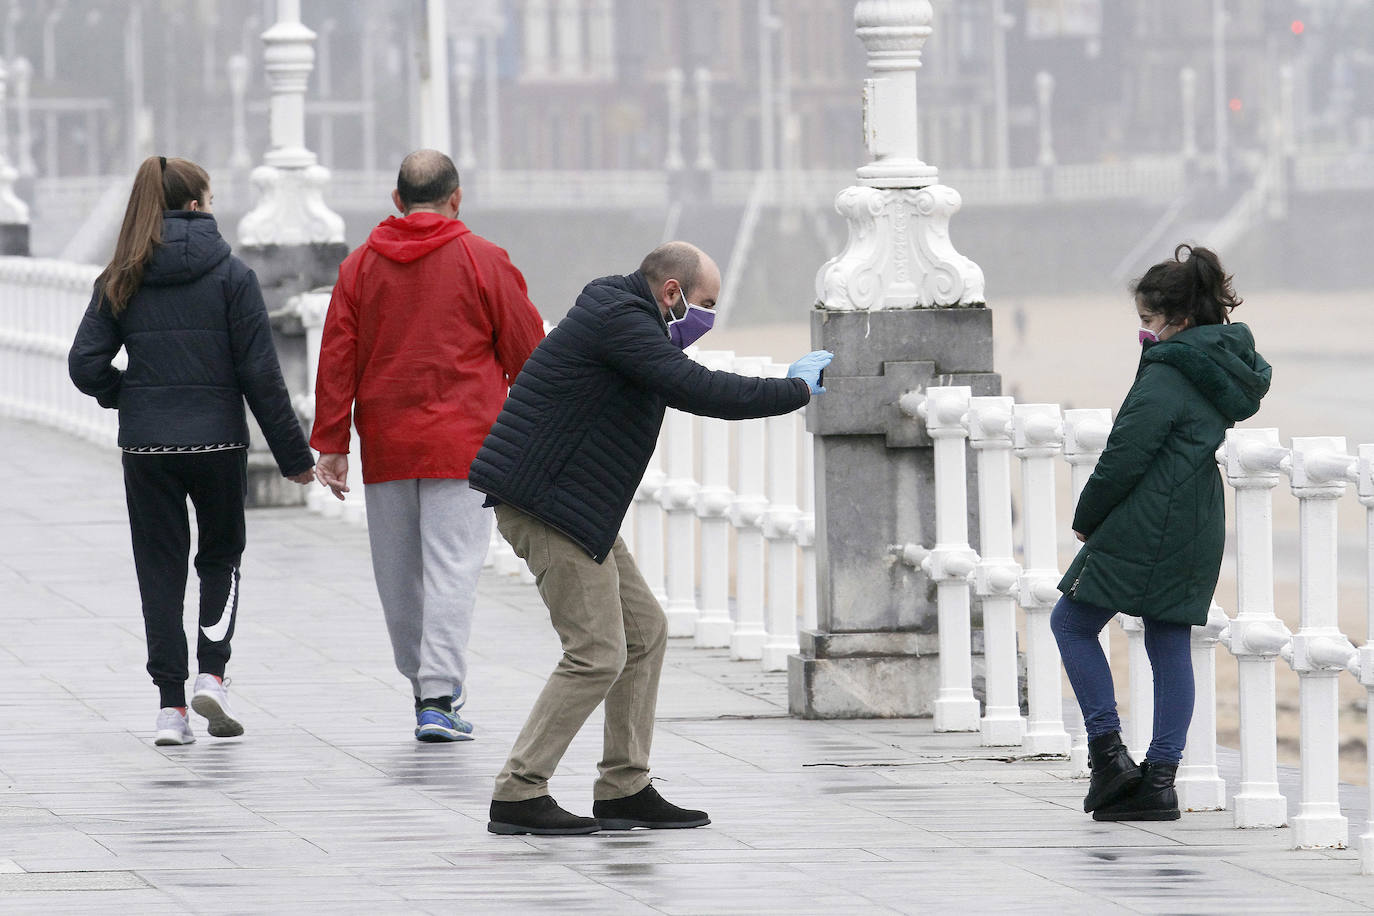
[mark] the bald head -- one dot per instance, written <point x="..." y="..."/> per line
<point x="427" y="178"/>
<point x="676" y="269"/>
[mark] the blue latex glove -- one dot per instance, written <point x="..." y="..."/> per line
<point x="810" y="367"/>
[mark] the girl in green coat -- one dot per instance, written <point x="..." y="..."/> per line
<point x="1153" y="524"/>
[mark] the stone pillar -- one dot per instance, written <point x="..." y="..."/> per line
<point x="1044" y="98"/>
<point x="673" y="161"/>
<point x="237" y="70"/>
<point x="569" y="16"/>
<point x="14" y="213"/>
<point x="902" y="310"/>
<point x="290" y="238"/>
<point x="536" y="39"/>
<point x="464" y="71"/>
<point x="1187" y="85"/>
<point x="22" y="72"/>
<point x="705" y="162"/>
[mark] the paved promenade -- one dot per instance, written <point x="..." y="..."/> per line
<point x="328" y="803"/>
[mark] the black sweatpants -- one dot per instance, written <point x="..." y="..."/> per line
<point x="156" y="487"/>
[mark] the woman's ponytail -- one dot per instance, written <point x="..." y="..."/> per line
<point x="1192" y="285"/>
<point x="160" y="184"/>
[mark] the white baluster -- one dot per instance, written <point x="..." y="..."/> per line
<point x="713" y="626"/>
<point x="1140" y="688"/>
<point x="1365" y="473"/>
<point x="1085" y="436"/>
<point x="1253" y="460"/>
<point x="779" y="529"/>
<point x="1200" y="786"/>
<point x="997" y="573"/>
<point x="1318" y="475"/>
<point x="1038" y="434"/>
<point x="648" y="547"/>
<point x="678" y="497"/>
<point x="951" y="561"/>
<point x="746" y="514"/>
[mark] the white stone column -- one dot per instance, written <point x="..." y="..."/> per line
<point x="1187" y="84"/>
<point x="237" y="71"/>
<point x="899" y="254"/>
<point x="751" y="502"/>
<point x="714" y="498"/>
<point x="436" y="125"/>
<point x="464" y="73"/>
<point x="673" y="82"/>
<point x="21" y="72"/>
<point x="570" y="59"/>
<point x="1038" y="436"/>
<point x="1319" y="472"/>
<point x="601" y="38"/>
<point x="997" y="573"/>
<point x="13" y="211"/>
<point x="705" y="161"/>
<point x="678" y="497"/>
<point x="1085" y="435"/>
<point x="1253" y="462"/>
<point x="779" y="530"/>
<point x="1140" y="688"/>
<point x="537" y="44"/>
<point x="1044" y="96"/>
<point x="290" y="207"/>
<point x="951" y="561"/>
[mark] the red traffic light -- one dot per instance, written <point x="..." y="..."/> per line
<point x="1235" y="104"/>
<point x="1297" y="27"/>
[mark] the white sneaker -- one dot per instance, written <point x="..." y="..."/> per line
<point x="173" y="728"/>
<point x="211" y="700"/>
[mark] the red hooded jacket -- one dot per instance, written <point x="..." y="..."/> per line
<point x="428" y="326"/>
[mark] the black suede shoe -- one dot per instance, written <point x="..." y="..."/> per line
<point x="1152" y="799"/>
<point x="1114" y="772"/>
<point x="538" y="816"/>
<point x="646" y="808"/>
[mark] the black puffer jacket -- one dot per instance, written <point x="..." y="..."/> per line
<point x="582" y="419"/>
<point x="199" y="343"/>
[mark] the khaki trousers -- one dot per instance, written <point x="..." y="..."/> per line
<point x="614" y="635"/>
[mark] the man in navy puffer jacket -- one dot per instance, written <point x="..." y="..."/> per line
<point x="561" y="465"/>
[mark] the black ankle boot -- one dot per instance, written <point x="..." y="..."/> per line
<point x="1153" y="798"/>
<point x="1114" y="772"/>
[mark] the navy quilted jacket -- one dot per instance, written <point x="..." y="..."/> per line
<point x="199" y="343"/>
<point x="580" y="424"/>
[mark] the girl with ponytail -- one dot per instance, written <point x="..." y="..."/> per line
<point x="191" y="319"/>
<point x="1153" y="524"/>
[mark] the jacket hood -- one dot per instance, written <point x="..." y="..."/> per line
<point x="191" y="247"/>
<point x="631" y="289"/>
<point x="1219" y="359"/>
<point x="408" y="238"/>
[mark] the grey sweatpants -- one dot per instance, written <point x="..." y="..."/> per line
<point x="429" y="538"/>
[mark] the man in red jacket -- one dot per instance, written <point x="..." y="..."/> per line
<point x="428" y="326"/>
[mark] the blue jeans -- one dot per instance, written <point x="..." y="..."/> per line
<point x="1076" y="626"/>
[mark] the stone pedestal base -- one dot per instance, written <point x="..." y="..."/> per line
<point x="14" y="239"/>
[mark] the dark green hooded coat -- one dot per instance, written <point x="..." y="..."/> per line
<point x="1152" y="511"/>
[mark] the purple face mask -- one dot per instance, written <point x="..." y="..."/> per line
<point x="1147" y="336"/>
<point x="695" y="322"/>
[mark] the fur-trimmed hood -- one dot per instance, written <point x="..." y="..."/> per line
<point x="1220" y="360"/>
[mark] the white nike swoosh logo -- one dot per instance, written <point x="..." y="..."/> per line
<point x="220" y="628"/>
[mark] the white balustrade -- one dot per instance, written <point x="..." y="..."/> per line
<point x="1318" y="473"/>
<point x="1140" y="688"/>
<point x="1085" y="436"/>
<point x="1037" y="435"/>
<point x="713" y="502"/>
<point x="779" y="530"/>
<point x="951" y="561"/>
<point x="678" y="497"/>
<point x="997" y="573"/>
<point x="1253" y="460"/>
<point x="746" y="514"/>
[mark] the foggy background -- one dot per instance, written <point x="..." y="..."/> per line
<point x="1086" y="137"/>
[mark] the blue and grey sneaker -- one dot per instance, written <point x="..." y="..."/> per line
<point x="460" y="696"/>
<point x="432" y="724"/>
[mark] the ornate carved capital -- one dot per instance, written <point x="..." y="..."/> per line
<point x="899" y="254"/>
<point x="290" y="208"/>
